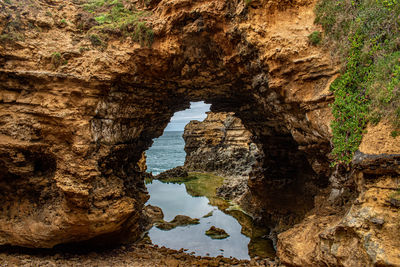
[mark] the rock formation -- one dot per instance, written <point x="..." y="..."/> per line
<point x="222" y="144"/>
<point x="172" y="173"/>
<point x="364" y="232"/>
<point x="77" y="113"/>
<point x="219" y="144"/>
<point x="217" y="233"/>
<point x="179" y="220"/>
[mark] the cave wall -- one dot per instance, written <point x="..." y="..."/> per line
<point x="71" y="135"/>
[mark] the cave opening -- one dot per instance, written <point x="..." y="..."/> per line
<point x="102" y="152"/>
<point x="282" y="181"/>
<point x="195" y="203"/>
<point x="167" y="151"/>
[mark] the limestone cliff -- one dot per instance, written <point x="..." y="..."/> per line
<point x="77" y="112"/>
<point x="219" y="144"/>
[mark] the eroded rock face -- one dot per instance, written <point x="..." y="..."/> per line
<point x="220" y="144"/>
<point x="357" y="222"/>
<point x="72" y="136"/>
<point x="364" y="235"/>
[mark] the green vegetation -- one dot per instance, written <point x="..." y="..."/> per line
<point x="366" y="34"/>
<point x="203" y="184"/>
<point x="83" y="49"/>
<point x="112" y="17"/>
<point x="247" y="2"/>
<point x="206" y="184"/>
<point x="198" y="183"/>
<point x="315" y="38"/>
<point x="63" y="21"/>
<point x="95" y="40"/>
<point x="13" y="30"/>
<point x="395" y="133"/>
<point x="56" y="59"/>
<point x="9" y="37"/>
<point x="142" y="34"/>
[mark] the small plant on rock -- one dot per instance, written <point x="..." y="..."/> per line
<point x="56" y="59"/>
<point x="143" y="34"/>
<point x="315" y="38"/>
<point x="95" y="40"/>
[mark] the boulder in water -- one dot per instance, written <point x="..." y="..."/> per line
<point x="179" y="220"/>
<point x="217" y="233"/>
<point x="154" y="213"/>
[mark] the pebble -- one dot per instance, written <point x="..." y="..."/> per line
<point x="132" y="255"/>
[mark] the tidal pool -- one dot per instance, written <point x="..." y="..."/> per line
<point x="174" y="199"/>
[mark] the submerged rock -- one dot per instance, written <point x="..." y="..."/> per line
<point x="208" y="214"/>
<point x="179" y="220"/>
<point x="217" y="233"/>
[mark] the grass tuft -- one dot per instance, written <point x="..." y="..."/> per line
<point x="315" y="38"/>
<point x="56" y="59"/>
<point x="112" y="17"/>
<point x="95" y="40"/>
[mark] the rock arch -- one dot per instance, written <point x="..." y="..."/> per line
<point x="95" y="116"/>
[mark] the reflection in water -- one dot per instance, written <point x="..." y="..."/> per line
<point x="174" y="200"/>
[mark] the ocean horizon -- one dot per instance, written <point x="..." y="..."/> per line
<point x="167" y="152"/>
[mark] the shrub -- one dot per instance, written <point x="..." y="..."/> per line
<point x="83" y="49"/>
<point x="314" y="38"/>
<point x="366" y="36"/>
<point x="95" y="40"/>
<point x="143" y="34"/>
<point x="56" y="59"/>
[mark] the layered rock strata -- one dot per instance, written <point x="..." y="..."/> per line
<point x="72" y="134"/>
<point x="219" y="144"/>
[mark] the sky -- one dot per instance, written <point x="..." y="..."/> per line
<point x="197" y="111"/>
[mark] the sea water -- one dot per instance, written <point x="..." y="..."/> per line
<point x="174" y="200"/>
<point x="166" y="153"/>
